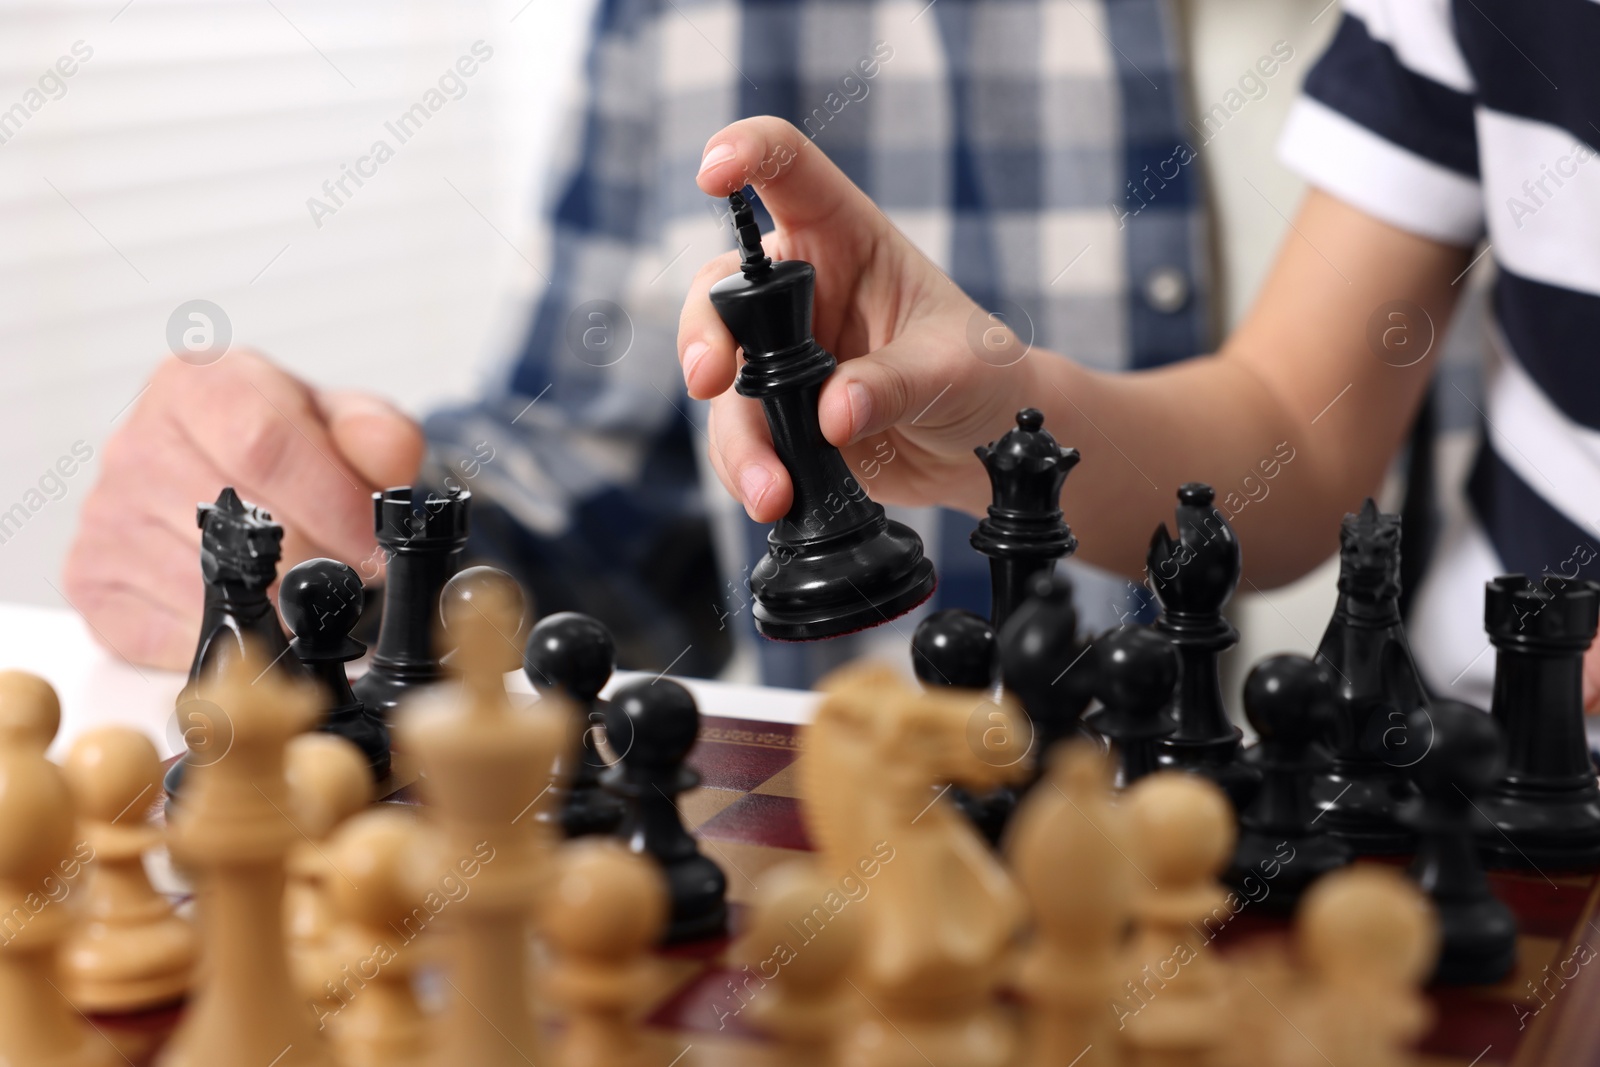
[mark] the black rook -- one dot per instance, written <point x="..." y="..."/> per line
<point x="423" y="535"/>
<point x="1545" y="810"/>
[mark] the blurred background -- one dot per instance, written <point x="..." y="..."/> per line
<point x="176" y="164"/>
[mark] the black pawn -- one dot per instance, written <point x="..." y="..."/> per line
<point x="653" y="725"/>
<point x="955" y="649"/>
<point x="1282" y="846"/>
<point x="835" y="563"/>
<point x="321" y="601"/>
<point x="1376" y="687"/>
<point x="1464" y="754"/>
<point x="1545" y="811"/>
<point x="1194" y="577"/>
<point x="1023" y="533"/>
<point x="1135" y="670"/>
<point x="1046" y="665"/>
<point x="574" y="655"/>
<point x="421" y="535"/>
<point x="240" y="547"/>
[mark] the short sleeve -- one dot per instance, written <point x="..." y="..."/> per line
<point x="1385" y="121"/>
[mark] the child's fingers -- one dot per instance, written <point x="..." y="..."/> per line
<point x="742" y="444"/>
<point x="904" y="382"/>
<point x="797" y="182"/>
<point x="705" y="347"/>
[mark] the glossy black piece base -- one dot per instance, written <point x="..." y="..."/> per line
<point x="699" y="911"/>
<point x="829" y="588"/>
<point x="1218" y="760"/>
<point x="1359" y="807"/>
<point x="1541" y="829"/>
<point x="1478" y="941"/>
<point x="1272" y="871"/>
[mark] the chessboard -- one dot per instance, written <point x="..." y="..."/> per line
<point x="746" y="815"/>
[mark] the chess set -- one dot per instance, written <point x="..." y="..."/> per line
<point x="1048" y="847"/>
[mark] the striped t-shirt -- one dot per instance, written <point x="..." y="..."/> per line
<point x="1464" y="121"/>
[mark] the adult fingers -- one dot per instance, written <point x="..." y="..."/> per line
<point x="261" y="428"/>
<point x="382" y="445"/>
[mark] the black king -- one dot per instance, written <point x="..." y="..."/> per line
<point x="835" y="563"/>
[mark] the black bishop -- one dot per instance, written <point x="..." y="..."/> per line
<point x="1194" y="576"/>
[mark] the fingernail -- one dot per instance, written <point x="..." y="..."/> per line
<point x="692" y="357"/>
<point x="717" y="153"/>
<point x="754" y="483"/>
<point x="860" y="407"/>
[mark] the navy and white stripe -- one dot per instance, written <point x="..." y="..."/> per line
<point x="1463" y="120"/>
<point x="995" y="133"/>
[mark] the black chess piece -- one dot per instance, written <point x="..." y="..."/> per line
<point x="955" y="649"/>
<point x="835" y="563"/>
<point x="1376" y="685"/>
<point x="321" y="601"/>
<point x="1135" y="670"/>
<point x="653" y="726"/>
<point x="1545" y="810"/>
<point x="1282" y="848"/>
<point x="1047" y="666"/>
<point x="574" y="655"/>
<point x="1463" y="753"/>
<point x="1024" y="532"/>
<point x="421" y="535"/>
<point x="1194" y="577"/>
<point x="240" y="547"/>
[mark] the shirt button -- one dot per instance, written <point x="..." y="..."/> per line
<point x="1166" y="289"/>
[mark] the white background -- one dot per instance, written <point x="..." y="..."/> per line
<point x="178" y="164"/>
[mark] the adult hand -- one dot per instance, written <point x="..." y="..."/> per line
<point x="312" y="458"/>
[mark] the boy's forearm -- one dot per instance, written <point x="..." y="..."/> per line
<point x="1206" y="420"/>
<point x="1293" y="422"/>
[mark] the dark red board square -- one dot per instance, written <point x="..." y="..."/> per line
<point x="758" y="819"/>
<point x="705" y="1004"/>
<point x="737" y="754"/>
<point x="1466" y="1024"/>
<point x="1543" y="908"/>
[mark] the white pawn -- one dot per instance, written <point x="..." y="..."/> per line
<point x="328" y="782"/>
<point x="1370" y="938"/>
<point x="38" y="1027"/>
<point x="798" y="972"/>
<point x="376" y="1020"/>
<point x="604" y="914"/>
<point x="30" y="711"/>
<point x="1064" y="849"/>
<point x="1173" y="990"/>
<point x="130" y="951"/>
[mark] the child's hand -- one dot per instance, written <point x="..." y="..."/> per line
<point x="924" y="374"/>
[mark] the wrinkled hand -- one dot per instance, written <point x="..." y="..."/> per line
<point x="924" y="374"/>
<point x="312" y="458"/>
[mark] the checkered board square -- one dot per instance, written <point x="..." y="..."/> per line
<point x="746" y="814"/>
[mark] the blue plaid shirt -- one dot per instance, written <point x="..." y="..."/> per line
<point x="1029" y="147"/>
